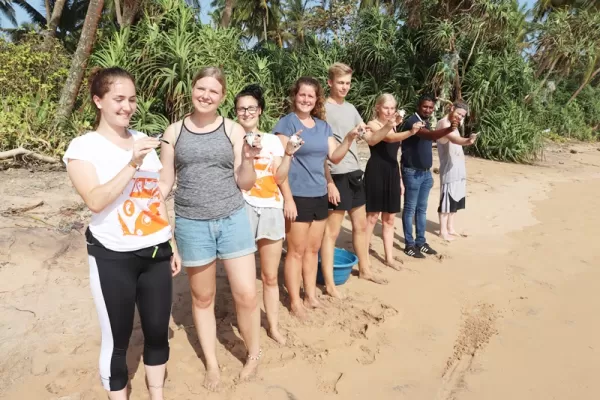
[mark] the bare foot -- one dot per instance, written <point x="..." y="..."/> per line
<point x="454" y="233"/>
<point x="212" y="379"/>
<point x="447" y="237"/>
<point x="250" y="368"/>
<point x="312" y="303"/>
<point x="277" y="336"/>
<point x="394" y="264"/>
<point x="299" y="311"/>
<point x="333" y="292"/>
<point x="368" y="276"/>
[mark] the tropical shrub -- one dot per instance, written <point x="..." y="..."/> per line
<point x="26" y="122"/>
<point x="508" y="133"/>
<point x="26" y="68"/>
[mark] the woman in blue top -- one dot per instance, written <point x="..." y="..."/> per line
<point x="307" y="209"/>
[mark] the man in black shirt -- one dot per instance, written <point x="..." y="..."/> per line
<point x="416" y="165"/>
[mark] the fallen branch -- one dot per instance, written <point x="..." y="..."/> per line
<point x="20" y="151"/>
<point x="19" y="210"/>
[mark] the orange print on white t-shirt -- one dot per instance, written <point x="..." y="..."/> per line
<point x="140" y="214"/>
<point x="265" y="192"/>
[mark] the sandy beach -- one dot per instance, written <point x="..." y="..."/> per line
<point x="508" y="312"/>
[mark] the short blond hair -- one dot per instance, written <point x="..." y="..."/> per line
<point x="338" y="69"/>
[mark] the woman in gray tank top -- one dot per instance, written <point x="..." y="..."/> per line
<point x="453" y="173"/>
<point x="213" y="163"/>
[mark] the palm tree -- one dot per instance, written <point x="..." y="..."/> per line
<point x="79" y="61"/>
<point x="8" y="11"/>
<point x="227" y="11"/>
<point x="258" y="18"/>
<point x="54" y="20"/>
<point x="295" y="16"/>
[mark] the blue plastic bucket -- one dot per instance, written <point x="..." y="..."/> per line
<point x="343" y="261"/>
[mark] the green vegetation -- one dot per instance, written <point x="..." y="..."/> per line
<point x="523" y="78"/>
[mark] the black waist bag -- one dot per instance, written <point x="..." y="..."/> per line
<point x="355" y="179"/>
<point x="162" y="251"/>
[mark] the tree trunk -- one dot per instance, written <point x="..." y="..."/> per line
<point x="119" y="13"/>
<point x="79" y="62"/>
<point x="583" y="85"/>
<point x="50" y="32"/>
<point x="48" y="10"/>
<point x="227" y="11"/>
<point x="130" y="11"/>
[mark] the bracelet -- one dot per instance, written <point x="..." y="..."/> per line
<point x="134" y="165"/>
<point x="288" y="154"/>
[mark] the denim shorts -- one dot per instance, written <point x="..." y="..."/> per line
<point x="200" y="242"/>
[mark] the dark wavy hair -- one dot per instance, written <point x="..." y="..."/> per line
<point x="252" y="90"/>
<point x="100" y="80"/>
<point x="319" y="110"/>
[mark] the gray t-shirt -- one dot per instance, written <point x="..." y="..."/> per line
<point x="343" y="118"/>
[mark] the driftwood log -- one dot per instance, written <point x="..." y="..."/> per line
<point x="20" y="151"/>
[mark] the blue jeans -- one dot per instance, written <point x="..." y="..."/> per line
<point x="417" y="185"/>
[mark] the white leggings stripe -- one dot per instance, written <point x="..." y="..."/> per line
<point x="106" y="349"/>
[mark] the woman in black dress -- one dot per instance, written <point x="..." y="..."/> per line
<point x="382" y="174"/>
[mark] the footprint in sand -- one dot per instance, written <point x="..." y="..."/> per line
<point x="367" y="356"/>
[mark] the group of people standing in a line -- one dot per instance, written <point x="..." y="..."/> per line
<point x="240" y="190"/>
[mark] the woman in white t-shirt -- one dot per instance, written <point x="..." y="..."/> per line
<point x="116" y="171"/>
<point x="264" y="202"/>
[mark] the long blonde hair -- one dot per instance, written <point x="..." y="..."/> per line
<point x="382" y="98"/>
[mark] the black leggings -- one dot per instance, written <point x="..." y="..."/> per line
<point x="118" y="284"/>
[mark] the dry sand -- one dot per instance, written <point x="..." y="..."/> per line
<point x="510" y="312"/>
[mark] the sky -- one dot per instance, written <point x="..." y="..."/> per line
<point x="38" y="4"/>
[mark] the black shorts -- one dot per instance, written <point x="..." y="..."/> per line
<point x="311" y="208"/>
<point x="352" y="190"/>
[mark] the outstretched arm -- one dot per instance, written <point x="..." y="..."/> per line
<point x="400" y="136"/>
<point x="337" y="151"/>
<point x="434" y="135"/>
<point x="376" y="134"/>
<point x="455" y="138"/>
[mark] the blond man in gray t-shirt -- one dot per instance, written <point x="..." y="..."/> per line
<point x="345" y="187"/>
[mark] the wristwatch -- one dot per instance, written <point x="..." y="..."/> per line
<point x="134" y="165"/>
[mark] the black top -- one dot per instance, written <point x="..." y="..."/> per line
<point x="416" y="151"/>
<point x="386" y="151"/>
